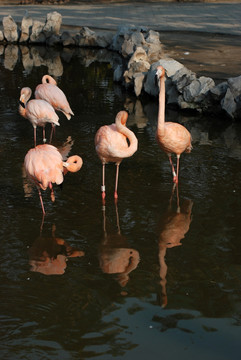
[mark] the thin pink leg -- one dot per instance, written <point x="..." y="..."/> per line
<point x="116" y="181"/>
<point x="41" y="200"/>
<point x="34" y="136"/>
<point x="44" y="138"/>
<point x="178" y="158"/>
<point x="52" y="133"/>
<point x="103" y="181"/>
<point x="173" y="169"/>
<point x="52" y="192"/>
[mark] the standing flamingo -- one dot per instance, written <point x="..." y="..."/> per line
<point x="171" y="137"/>
<point x="38" y="112"/>
<point x="111" y="144"/>
<point x="45" y="166"/>
<point x="50" y="92"/>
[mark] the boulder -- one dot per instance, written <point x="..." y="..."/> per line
<point x="10" y="29"/>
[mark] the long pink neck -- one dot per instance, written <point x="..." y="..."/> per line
<point x="161" y="110"/>
<point x="130" y="136"/>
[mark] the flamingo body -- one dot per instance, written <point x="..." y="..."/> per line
<point x="44" y="166"/>
<point x="38" y="112"/>
<point x="50" y="92"/>
<point x="111" y="144"/>
<point x="177" y="139"/>
<point x="171" y="137"/>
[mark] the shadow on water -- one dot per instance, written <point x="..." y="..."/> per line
<point x="118" y="285"/>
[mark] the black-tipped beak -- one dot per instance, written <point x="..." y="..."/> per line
<point x="22" y="104"/>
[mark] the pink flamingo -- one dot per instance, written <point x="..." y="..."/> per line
<point x="44" y="165"/>
<point x="49" y="91"/>
<point x="38" y="112"/>
<point x="171" y="137"/>
<point x="111" y="146"/>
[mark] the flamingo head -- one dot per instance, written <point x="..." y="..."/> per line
<point x="123" y="115"/>
<point x="160" y="71"/>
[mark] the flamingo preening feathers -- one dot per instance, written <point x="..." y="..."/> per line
<point x="171" y="137"/>
<point x="38" y="112"/>
<point x="111" y="145"/>
<point x="50" y="92"/>
<point x="44" y="165"/>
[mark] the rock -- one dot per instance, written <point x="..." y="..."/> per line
<point x="26" y="25"/>
<point x="66" y="39"/>
<point x="228" y="104"/>
<point x="37" y="35"/>
<point x="1" y="36"/>
<point x="10" y="29"/>
<point x="86" y="38"/>
<point x="198" y="89"/>
<point x="53" y="24"/>
<point x="53" y="40"/>
<point x="235" y="86"/>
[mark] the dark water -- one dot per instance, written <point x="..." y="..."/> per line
<point x="136" y="292"/>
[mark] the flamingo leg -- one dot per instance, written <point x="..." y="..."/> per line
<point x="52" y="133"/>
<point x="116" y="181"/>
<point x="178" y="160"/>
<point x="103" y="181"/>
<point x="41" y="200"/>
<point x="173" y="169"/>
<point x="34" y="136"/>
<point x="52" y="192"/>
<point x="44" y="137"/>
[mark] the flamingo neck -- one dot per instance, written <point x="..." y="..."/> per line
<point x="73" y="163"/>
<point x="130" y="136"/>
<point x="47" y="79"/>
<point x="161" y="109"/>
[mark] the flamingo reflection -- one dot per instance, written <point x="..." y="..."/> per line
<point x="115" y="255"/>
<point x="172" y="229"/>
<point x="49" y="255"/>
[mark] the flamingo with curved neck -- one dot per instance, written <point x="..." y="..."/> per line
<point x="50" y="92"/>
<point x="38" y="112"/>
<point x="171" y="137"/>
<point x="111" y="145"/>
<point x="44" y="166"/>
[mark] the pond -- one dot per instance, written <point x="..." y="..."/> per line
<point x="176" y="299"/>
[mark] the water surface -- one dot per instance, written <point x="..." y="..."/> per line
<point x="118" y="285"/>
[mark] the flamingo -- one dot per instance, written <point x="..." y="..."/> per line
<point x="49" y="91"/>
<point x="171" y="137"/>
<point x="44" y="165"/>
<point x="111" y="146"/>
<point x="38" y="112"/>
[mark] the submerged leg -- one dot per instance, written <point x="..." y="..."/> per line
<point x="178" y="158"/>
<point x="52" y="133"/>
<point x="52" y="192"/>
<point x="44" y="137"/>
<point x="116" y="181"/>
<point x="34" y="135"/>
<point x="41" y="200"/>
<point x="173" y="169"/>
<point x="103" y="181"/>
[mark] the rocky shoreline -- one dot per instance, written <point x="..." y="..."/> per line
<point x="141" y="51"/>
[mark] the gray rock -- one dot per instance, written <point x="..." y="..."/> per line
<point x="53" y="24"/>
<point x="10" y="29"/>
<point x="37" y="35"/>
<point x="26" y="26"/>
<point x="228" y="103"/>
